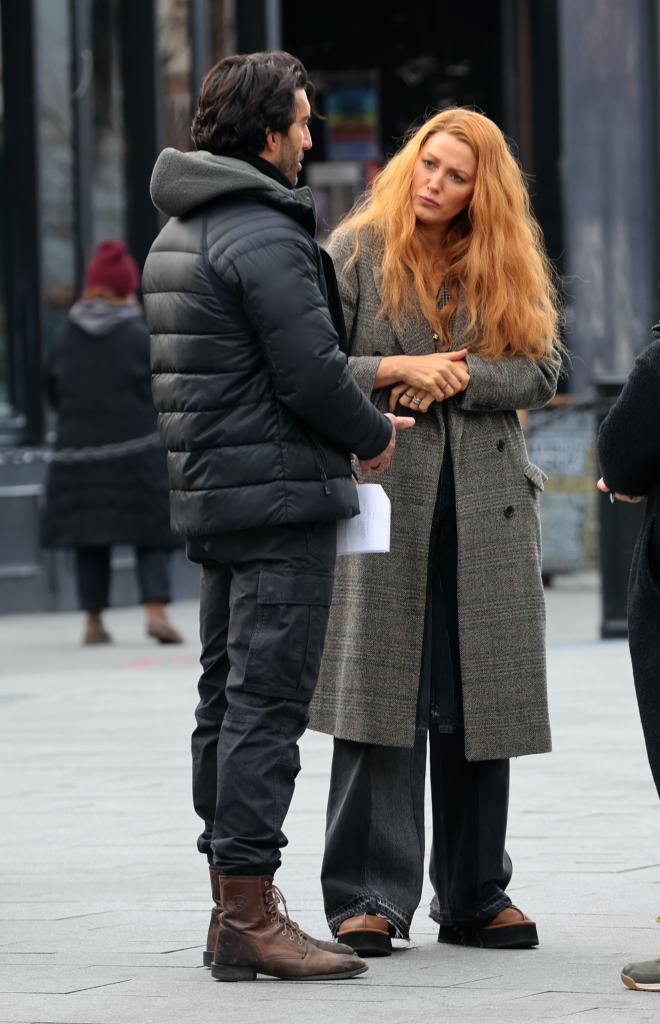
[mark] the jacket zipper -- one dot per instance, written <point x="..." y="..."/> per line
<point x="321" y="462"/>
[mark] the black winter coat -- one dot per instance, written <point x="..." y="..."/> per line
<point x="629" y="451"/>
<point x="100" y="386"/>
<point x="258" y="408"/>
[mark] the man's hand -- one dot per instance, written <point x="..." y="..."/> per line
<point x="379" y="463"/>
<point x="631" y="499"/>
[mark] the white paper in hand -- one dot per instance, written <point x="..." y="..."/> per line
<point x="369" y="532"/>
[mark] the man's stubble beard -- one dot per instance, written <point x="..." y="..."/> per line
<point x="288" y="165"/>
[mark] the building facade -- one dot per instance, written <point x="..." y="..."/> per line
<point x="91" y="92"/>
<point x="93" y="89"/>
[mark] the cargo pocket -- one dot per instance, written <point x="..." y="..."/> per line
<point x="285" y="649"/>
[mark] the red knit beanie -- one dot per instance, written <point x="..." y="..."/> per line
<point x="114" y="268"/>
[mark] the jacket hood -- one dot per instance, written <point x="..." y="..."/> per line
<point x="97" y="317"/>
<point x="183" y="181"/>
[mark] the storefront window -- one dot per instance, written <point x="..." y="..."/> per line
<point x="56" y="163"/>
<point x="176" y="69"/>
<point x="221" y="31"/>
<point x="99" y="78"/>
<point x="108" y="187"/>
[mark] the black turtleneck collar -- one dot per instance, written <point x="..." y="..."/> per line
<point x="270" y="170"/>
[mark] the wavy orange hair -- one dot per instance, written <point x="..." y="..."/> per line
<point x="493" y="260"/>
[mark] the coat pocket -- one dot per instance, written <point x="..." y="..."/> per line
<point x="535" y="475"/>
<point x="284" y="656"/>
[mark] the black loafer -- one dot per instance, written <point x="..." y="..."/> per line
<point x="367" y="934"/>
<point x="510" y="929"/>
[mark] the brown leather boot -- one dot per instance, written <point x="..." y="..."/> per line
<point x="214" y="924"/>
<point x="159" y="625"/>
<point x="256" y="937"/>
<point x="95" y="631"/>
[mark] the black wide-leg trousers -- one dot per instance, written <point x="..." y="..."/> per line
<point x="375" y="836"/>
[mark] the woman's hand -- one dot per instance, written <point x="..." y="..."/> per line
<point x="442" y="374"/>
<point x="631" y="499"/>
<point x="398" y="396"/>
<point x="428" y="379"/>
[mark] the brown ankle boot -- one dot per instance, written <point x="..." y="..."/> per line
<point x="256" y="937"/>
<point x="214" y="923"/>
<point x="159" y="626"/>
<point x="215" y="873"/>
<point x="95" y="632"/>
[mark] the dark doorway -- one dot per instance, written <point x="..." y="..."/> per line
<point x="427" y="56"/>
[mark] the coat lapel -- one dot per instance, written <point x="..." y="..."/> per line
<point x="412" y="332"/>
<point x="415" y="338"/>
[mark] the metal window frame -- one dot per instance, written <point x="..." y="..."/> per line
<point x="200" y="39"/>
<point x="22" y="271"/>
<point x="82" y="113"/>
<point x="142" y="120"/>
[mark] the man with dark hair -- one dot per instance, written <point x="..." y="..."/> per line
<point x="259" y="413"/>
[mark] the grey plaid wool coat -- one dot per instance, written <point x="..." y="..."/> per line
<point x="369" y="679"/>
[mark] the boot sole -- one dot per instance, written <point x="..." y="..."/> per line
<point x="208" y="954"/>
<point x="368" y="943"/>
<point x="639" y="985"/>
<point x="227" y="972"/>
<point x="519" y="936"/>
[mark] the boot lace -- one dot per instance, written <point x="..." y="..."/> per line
<point x="274" y="897"/>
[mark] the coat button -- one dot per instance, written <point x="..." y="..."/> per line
<point x="501" y="445"/>
<point x="508" y="512"/>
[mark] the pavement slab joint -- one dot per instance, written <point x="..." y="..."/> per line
<point x="116" y="938"/>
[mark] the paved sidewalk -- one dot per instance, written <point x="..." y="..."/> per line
<point x="104" y="902"/>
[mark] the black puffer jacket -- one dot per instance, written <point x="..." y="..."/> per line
<point x="258" y="408"/>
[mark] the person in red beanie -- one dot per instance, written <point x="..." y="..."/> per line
<point x="113" y="270"/>
<point x="99" y="382"/>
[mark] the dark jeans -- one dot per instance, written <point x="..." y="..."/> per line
<point x="374" y="850"/>
<point x="263" y="616"/>
<point x="93" y="575"/>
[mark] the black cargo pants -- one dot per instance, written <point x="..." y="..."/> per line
<point x="265" y="601"/>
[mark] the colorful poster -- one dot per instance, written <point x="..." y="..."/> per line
<point x="352" y="124"/>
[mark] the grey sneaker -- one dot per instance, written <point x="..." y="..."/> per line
<point x="644" y="975"/>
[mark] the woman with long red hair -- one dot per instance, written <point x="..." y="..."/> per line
<point x="452" y="315"/>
